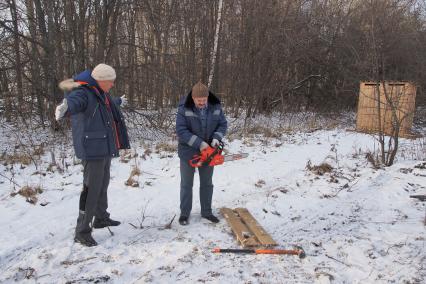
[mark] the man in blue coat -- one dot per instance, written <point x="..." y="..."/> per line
<point x="200" y="123"/>
<point x="98" y="131"/>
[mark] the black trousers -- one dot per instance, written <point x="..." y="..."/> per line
<point x="94" y="197"/>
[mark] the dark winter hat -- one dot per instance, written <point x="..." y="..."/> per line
<point x="103" y="72"/>
<point x="200" y="90"/>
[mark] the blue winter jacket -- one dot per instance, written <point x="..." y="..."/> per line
<point x="93" y="132"/>
<point x="189" y="125"/>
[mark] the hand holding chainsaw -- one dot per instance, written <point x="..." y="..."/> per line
<point x="215" y="143"/>
<point x="213" y="156"/>
<point x="203" y="146"/>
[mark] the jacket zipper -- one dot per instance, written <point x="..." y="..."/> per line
<point x="96" y="108"/>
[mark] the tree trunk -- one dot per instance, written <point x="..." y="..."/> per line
<point x="36" y="84"/>
<point x="216" y="40"/>
<point x="18" y="63"/>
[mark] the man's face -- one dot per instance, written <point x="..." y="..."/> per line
<point x="200" y="102"/>
<point x="106" y="85"/>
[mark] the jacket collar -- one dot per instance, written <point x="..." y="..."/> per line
<point x="84" y="78"/>
<point x="212" y="100"/>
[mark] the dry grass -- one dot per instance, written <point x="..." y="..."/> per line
<point x="248" y="143"/>
<point x="166" y="147"/>
<point x="133" y="180"/>
<point x="320" y="169"/>
<point x="146" y="153"/>
<point x="39" y="150"/>
<point x="265" y="131"/>
<point x="30" y="193"/>
<point x="260" y="183"/>
<point x="135" y="171"/>
<point x="23" y="155"/>
<point x="16" y="158"/>
<point x="312" y="124"/>
<point x="374" y="161"/>
<point x="127" y="155"/>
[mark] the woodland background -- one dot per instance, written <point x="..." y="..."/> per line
<point x="272" y="55"/>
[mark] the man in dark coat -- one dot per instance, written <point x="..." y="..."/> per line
<point x="98" y="131"/>
<point x="200" y="123"/>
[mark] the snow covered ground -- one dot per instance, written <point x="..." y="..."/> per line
<point x="356" y="224"/>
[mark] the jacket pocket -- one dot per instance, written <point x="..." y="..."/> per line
<point x="96" y="144"/>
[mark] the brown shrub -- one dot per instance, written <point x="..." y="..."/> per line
<point x="320" y="169"/>
<point x="166" y="147"/>
<point x="131" y="181"/>
<point x="30" y="193"/>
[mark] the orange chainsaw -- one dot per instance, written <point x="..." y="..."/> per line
<point x="214" y="157"/>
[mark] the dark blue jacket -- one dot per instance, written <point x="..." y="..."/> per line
<point x="189" y="126"/>
<point x="92" y="124"/>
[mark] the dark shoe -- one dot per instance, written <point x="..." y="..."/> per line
<point x="183" y="220"/>
<point x="85" y="239"/>
<point x="212" y="218"/>
<point x="107" y="222"/>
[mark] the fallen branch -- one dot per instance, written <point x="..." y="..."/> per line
<point x="169" y="225"/>
<point x="70" y="262"/>
<point x="9" y="179"/>
<point x="346" y="186"/>
<point x="97" y="279"/>
<point x="339" y="261"/>
<point x="133" y="226"/>
<point x="112" y="234"/>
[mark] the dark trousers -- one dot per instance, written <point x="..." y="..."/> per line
<point x="186" y="183"/>
<point x="94" y="197"/>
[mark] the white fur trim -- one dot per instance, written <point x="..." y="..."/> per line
<point x="68" y="84"/>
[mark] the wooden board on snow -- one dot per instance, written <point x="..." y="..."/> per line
<point x="246" y="229"/>
<point x="264" y="238"/>
<point x="241" y="232"/>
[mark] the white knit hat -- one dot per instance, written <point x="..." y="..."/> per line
<point x="103" y="72"/>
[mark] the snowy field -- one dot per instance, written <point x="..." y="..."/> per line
<point x="356" y="224"/>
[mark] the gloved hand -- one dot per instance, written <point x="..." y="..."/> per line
<point x="215" y="143"/>
<point x="61" y="110"/>
<point x="123" y="100"/>
<point x="203" y="146"/>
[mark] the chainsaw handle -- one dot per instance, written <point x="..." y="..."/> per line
<point x="208" y="156"/>
<point x="195" y="161"/>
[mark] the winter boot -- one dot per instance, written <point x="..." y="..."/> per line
<point x="85" y="239"/>
<point x="212" y="218"/>
<point x="106" y="222"/>
<point x="183" y="220"/>
<point x="83" y="231"/>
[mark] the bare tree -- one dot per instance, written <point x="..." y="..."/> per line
<point x="384" y="33"/>
<point x="216" y="40"/>
<point x="260" y="56"/>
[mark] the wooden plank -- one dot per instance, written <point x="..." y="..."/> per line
<point x="241" y="232"/>
<point x="264" y="238"/>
